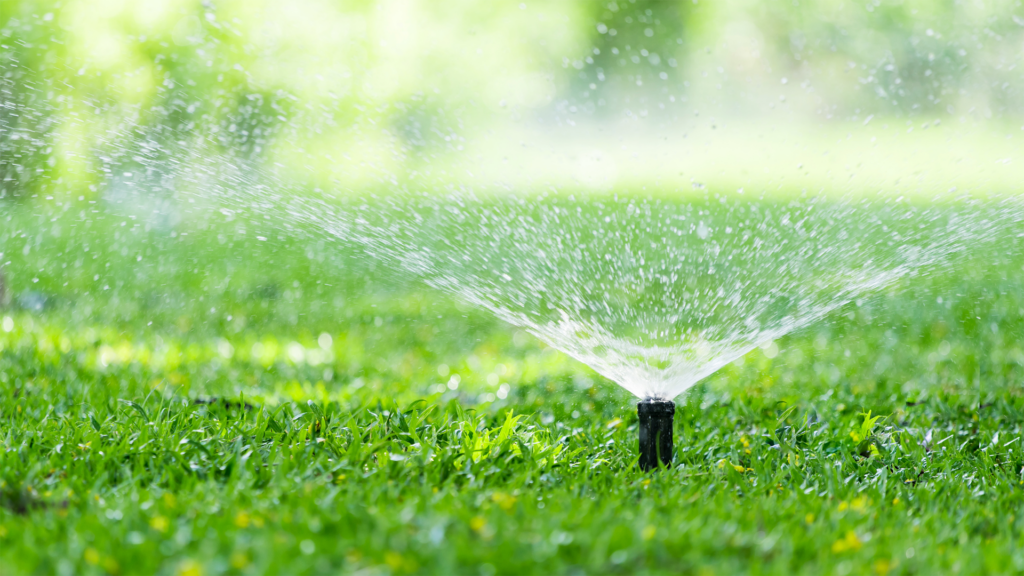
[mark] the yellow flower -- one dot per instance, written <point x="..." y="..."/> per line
<point x="859" y="503"/>
<point x="503" y="500"/>
<point x="477" y="523"/>
<point x="882" y="567"/>
<point x="242" y="519"/>
<point x="92" y="556"/>
<point x="190" y="568"/>
<point x="736" y="467"/>
<point x="159" y="523"/>
<point x="848" y="542"/>
<point x="809" y="518"/>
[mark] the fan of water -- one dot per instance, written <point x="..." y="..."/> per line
<point x="657" y="293"/>
<point x="653" y="292"/>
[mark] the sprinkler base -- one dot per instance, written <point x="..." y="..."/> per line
<point x="655" y="433"/>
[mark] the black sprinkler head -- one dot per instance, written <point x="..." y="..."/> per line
<point x="655" y="432"/>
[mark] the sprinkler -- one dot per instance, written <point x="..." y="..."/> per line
<point x="655" y="432"/>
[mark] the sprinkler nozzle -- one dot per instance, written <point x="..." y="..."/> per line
<point x="655" y="432"/>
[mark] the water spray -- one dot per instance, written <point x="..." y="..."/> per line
<point x="655" y="432"/>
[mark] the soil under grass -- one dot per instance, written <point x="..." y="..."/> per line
<point x="188" y="416"/>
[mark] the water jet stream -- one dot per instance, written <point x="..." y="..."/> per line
<point x="653" y="294"/>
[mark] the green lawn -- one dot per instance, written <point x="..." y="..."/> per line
<point x="209" y="403"/>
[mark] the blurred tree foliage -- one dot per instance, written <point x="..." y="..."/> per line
<point x="908" y="57"/>
<point x="635" y="46"/>
<point x="92" y="88"/>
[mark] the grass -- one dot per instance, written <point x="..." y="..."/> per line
<point x="230" y="406"/>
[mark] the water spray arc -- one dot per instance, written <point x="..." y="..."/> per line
<point x="655" y="432"/>
<point x="652" y="295"/>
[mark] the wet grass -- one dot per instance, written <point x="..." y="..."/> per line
<point x="286" y="409"/>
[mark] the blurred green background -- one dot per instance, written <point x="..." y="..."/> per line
<point x="847" y="97"/>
